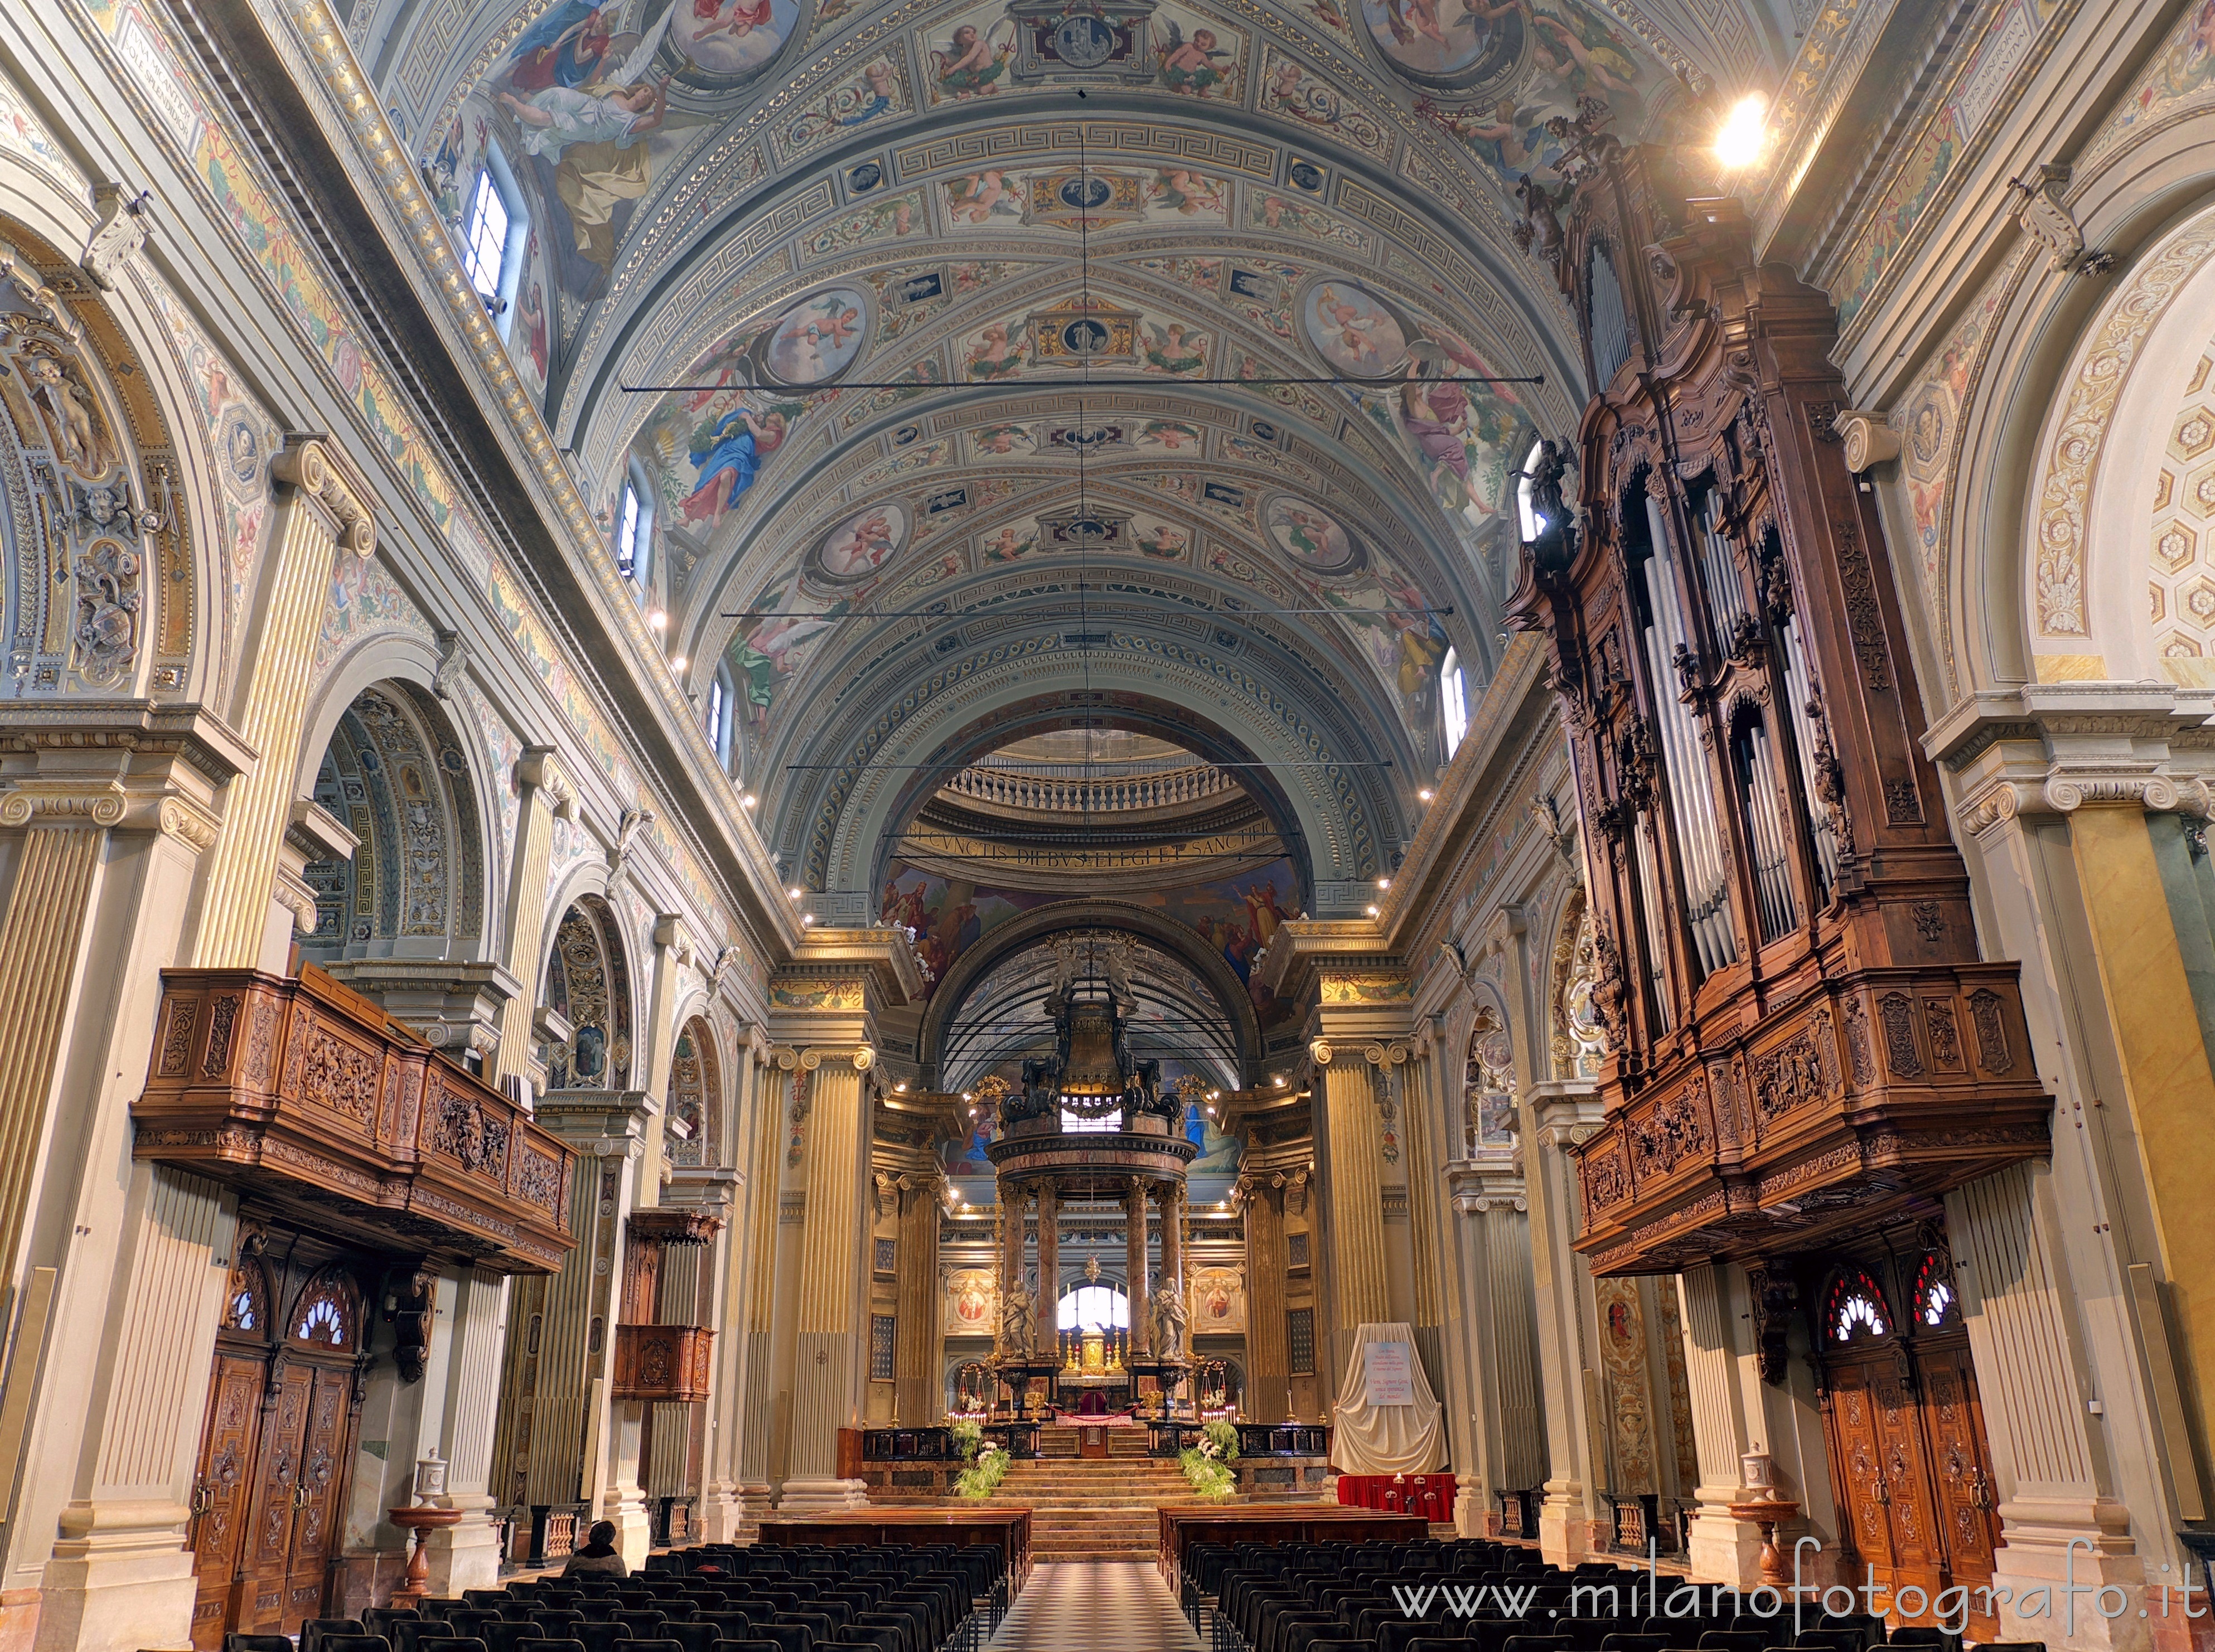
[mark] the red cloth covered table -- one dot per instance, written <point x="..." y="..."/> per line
<point x="1431" y="1496"/>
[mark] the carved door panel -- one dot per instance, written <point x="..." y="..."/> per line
<point x="1954" y="1423"/>
<point x="1918" y="1551"/>
<point x="277" y="1481"/>
<point x="319" y="1499"/>
<point x="223" y="1491"/>
<point x="1858" y="1456"/>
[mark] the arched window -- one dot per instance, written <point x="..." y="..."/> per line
<point x="1094" y="1307"/>
<point x="1453" y="701"/>
<point x="1854" y="1310"/>
<point x="495" y="228"/>
<point x="326" y="1316"/>
<point x="635" y="531"/>
<point x="1936" y="1302"/>
<point x="246" y="1302"/>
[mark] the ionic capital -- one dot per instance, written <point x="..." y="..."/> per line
<point x="64" y="802"/>
<point x="539" y="769"/>
<point x="313" y="467"/>
<point x="1319" y="1052"/>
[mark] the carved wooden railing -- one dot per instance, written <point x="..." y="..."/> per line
<point x="308" y="1095"/>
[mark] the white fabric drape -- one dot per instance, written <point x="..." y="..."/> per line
<point x="1386" y="1439"/>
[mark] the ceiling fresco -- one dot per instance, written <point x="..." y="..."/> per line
<point x="988" y="356"/>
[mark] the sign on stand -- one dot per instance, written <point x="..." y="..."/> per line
<point x="1387" y="1369"/>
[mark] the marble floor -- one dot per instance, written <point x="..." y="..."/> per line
<point x="1110" y="1606"/>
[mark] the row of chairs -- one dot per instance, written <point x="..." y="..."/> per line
<point x="1431" y="1596"/>
<point x="882" y="1600"/>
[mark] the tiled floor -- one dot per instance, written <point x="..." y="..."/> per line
<point x="1095" y="1606"/>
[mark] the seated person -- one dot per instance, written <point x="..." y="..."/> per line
<point x="598" y="1554"/>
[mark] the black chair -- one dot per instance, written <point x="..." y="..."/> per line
<point x="788" y="1637"/>
<point x="871" y="1638"/>
<point x="644" y="1623"/>
<point x="470" y="1622"/>
<point x="378" y="1620"/>
<point x="601" y="1638"/>
<point x="450" y="1643"/>
<point x="733" y="1623"/>
<point x="257" y="1643"/>
<point x="1634" y="1643"/>
<point x="550" y="1643"/>
<point x="1926" y="1635"/>
<point x="1733" y="1639"/>
<point x="313" y="1631"/>
<point x="1837" y="1639"/>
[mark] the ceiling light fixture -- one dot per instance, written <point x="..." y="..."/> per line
<point x="1280" y="1084"/>
<point x="1384" y="882"/>
<point x="657" y="619"/>
<point x="795" y="893"/>
<point x="677" y="664"/>
<point x="807" y="918"/>
<point x="1425" y="794"/>
<point x="1373" y="911"/>
<point x="748" y="801"/>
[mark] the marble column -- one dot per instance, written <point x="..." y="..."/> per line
<point x="554" y="1438"/>
<point x="467" y="1555"/>
<point x="1268" y="1361"/>
<point x="1723" y="1550"/>
<point x="1426" y="1163"/>
<point x="830" y="1344"/>
<point x="1173" y="1236"/>
<point x="1045" y="1334"/>
<point x="918" y="1392"/>
<point x="1566" y="1518"/>
<point x="1350" y="1148"/>
<point x="1137" y="1208"/>
<point x="322" y="508"/>
<point x="109" y="811"/>
<point x="545" y="797"/>
<point x="722" y="1503"/>
<point x="755" y="1413"/>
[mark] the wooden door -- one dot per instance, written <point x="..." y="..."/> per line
<point x="1857" y="1466"/>
<point x="1918" y="1553"/>
<point x="223" y="1490"/>
<point x="276" y="1480"/>
<point x="319" y="1496"/>
<point x="1961" y="1460"/>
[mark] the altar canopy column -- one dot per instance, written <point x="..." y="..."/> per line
<point x="1046" y="1322"/>
<point x="1012" y="1200"/>
<point x="1172" y="1237"/>
<point x="1269" y="1362"/>
<point x="918" y="1395"/>
<point x="1136" y="1212"/>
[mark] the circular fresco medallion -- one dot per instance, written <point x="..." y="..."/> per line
<point x="725" y="43"/>
<point x="859" y="547"/>
<point x="817" y="340"/>
<point x="1463" y="43"/>
<point x="1313" y="539"/>
<point x="1354" y="330"/>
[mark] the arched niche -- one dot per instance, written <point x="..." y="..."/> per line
<point x="696" y="1093"/>
<point x="588" y="985"/>
<point x="397" y="775"/>
<point x="100" y="581"/>
<point x="1576" y="1033"/>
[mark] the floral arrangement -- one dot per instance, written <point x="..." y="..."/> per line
<point x="987" y="1464"/>
<point x="1206" y="1464"/>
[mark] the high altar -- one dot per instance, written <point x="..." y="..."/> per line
<point x="1090" y="1123"/>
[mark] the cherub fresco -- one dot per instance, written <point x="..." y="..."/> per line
<point x="974" y="62"/>
<point x="1197" y="67"/>
<point x="983" y="197"/>
<point x="1175" y="348"/>
<point x="997" y="352"/>
<point x="1186" y="193"/>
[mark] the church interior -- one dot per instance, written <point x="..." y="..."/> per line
<point x="1265" y="825"/>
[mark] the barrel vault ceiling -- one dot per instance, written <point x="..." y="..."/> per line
<point x="826" y="281"/>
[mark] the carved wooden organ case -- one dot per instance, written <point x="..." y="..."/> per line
<point x="1803" y="1037"/>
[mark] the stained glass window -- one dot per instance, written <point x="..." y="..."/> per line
<point x="1936" y="1302"/>
<point x="1853" y="1311"/>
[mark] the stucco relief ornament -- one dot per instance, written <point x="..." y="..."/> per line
<point x="121" y="233"/>
<point x="2041" y="211"/>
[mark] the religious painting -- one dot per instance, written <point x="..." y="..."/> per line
<point x="1312" y="538"/>
<point x="1457" y="43"/>
<point x="972" y="1301"/>
<point x="818" y="339"/>
<point x="969" y="57"/>
<point x="1354" y="330"/>
<point x="1218" y="1301"/>
<point x="861" y="546"/>
<point x="726" y="42"/>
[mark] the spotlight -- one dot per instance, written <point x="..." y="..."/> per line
<point x="901" y="1088"/>
<point x="807" y="918"/>
<point x="1740" y="139"/>
<point x="966" y="1096"/>
<point x="1384" y="882"/>
<point x="1373" y="911"/>
<point x="677" y="664"/>
<point x="1425" y="794"/>
<point x="748" y="801"/>
<point x="657" y="619"/>
<point x="795" y="893"/>
<point x="1280" y="1083"/>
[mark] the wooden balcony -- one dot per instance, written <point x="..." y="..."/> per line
<point x="308" y="1096"/>
<point x="1873" y="1093"/>
<point x="668" y="1364"/>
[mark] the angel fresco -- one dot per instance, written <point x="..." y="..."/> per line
<point x="983" y="197"/>
<point x="972" y="63"/>
<point x="1174" y="348"/>
<point x="583" y="100"/>
<point x="1186" y="193"/>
